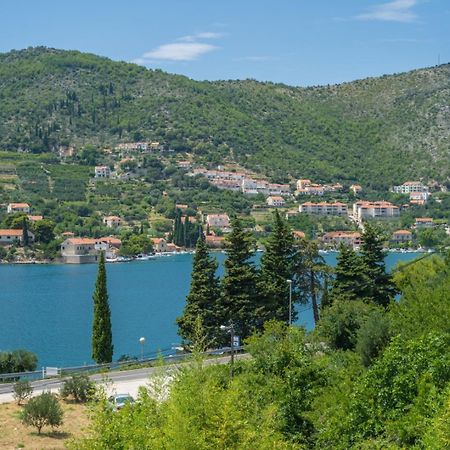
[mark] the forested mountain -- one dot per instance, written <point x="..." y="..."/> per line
<point x="376" y="131"/>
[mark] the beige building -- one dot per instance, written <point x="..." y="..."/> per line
<point x="11" y="237"/>
<point x="324" y="209"/>
<point x="18" y="207"/>
<point x="102" y="172"/>
<point x="275" y="201"/>
<point x="424" y="222"/>
<point x="214" y="241"/>
<point x="112" y="221"/>
<point x="159" y="245"/>
<point x="221" y="221"/>
<point x="356" y="189"/>
<point x="336" y="238"/>
<point x="87" y="250"/>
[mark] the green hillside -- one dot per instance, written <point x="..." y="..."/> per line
<point x="377" y="131"/>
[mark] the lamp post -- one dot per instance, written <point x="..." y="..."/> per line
<point x="289" y="282"/>
<point x="142" y="342"/>
<point x="230" y="329"/>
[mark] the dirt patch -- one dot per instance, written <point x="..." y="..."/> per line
<point x="14" y="435"/>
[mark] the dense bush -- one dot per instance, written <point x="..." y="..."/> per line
<point x="43" y="410"/>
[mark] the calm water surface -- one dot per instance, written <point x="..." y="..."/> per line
<point x="48" y="308"/>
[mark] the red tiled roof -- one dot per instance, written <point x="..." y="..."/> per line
<point x="11" y="233"/>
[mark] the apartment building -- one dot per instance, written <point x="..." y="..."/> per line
<point x="374" y="210"/>
<point x="336" y="238"/>
<point x="324" y="208"/>
<point x="410" y="186"/>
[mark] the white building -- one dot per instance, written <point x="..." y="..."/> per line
<point x="10" y="237"/>
<point x="410" y="186"/>
<point x="18" y="207"/>
<point x="102" y="172"/>
<point x="336" y="238"/>
<point x="275" y="201"/>
<point x="373" y="210"/>
<point x="324" y="208"/>
<point x="112" y="221"/>
<point x="424" y="222"/>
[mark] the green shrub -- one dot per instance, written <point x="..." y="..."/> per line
<point x="43" y="410"/>
<point x="79" y="388"/>
<point x="22" y="390"/>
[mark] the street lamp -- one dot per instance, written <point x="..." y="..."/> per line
<point x="289" y="282"/>
<point x="142" y="342"/>
<point x="230" y="329"/>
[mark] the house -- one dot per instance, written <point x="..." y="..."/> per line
<point x="112" y="242"/>
<point x="336" y="238"/>
<point x="299" y="235"/>
<point x="303" y="184"/>
<point x="181" y="207"/>
<point x="172" y="248"/>
<point x="80" y="250"/>
<point x="35" y="218"/>
<point x="214" y="241"/>
<point x="419" y="198"/>
<point x="372" y="210"/>
<point x="356" y="189"/>
<point x="159" y="245"/>
<point x="424" y="222"/>
<point x="10" y="237"/>
<point x="68" y="234"/>
<point x="186" y="164"/>
<point x="275" y="201"/>
<point x="401" y="237"/>
<point x="18" y="207"/>
<point x="324" y="209"/>
<point x="410" y="186"/>
<point x="221" y="221"/>
<point x="102" y="172"/>
<point x="291" y="213"/>
<point x="112" y="221"/>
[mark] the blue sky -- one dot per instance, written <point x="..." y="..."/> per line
<point x="298" y="42"/>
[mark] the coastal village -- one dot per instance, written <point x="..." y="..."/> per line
<point x="345" y="204"/>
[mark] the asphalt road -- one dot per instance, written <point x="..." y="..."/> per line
<point x="126" y="381"/>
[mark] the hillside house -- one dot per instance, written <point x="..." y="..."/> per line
<point x="275" y="201"/>
<point x="102" y="172"/>
<point x="11" y="237"/>
<point x="324" y="208"/>
<point x="424" y="222"/>
<point x="336" y="238"/>
<point x="356" y="189"/>
<point x="18" y="207"/>
<point x="221" y="221"/>
<point x="410" y="186"/>
<point x="112" y="221"/>
<point x="419" y="198"/>
<point x="401" y="237"/>
<point x="298" y="234"/>
<point x="35" y="218"/>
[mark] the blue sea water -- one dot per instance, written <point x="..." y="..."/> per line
<point x="47" y="309"/>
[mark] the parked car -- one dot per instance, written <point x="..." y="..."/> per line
<point x="118" y="401"/>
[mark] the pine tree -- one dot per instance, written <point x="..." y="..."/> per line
<point x="239" y="285"/>
<point x="380" y="288"/>
<point x="203" y="298"/>
<point x="277" y="266"/>
<point x="350" y="278"/>
<point x="102" y="346"/>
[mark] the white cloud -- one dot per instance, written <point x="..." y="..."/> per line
<point x="203" y="35"/>
<point x="185" y="48"/>
<point x="182" y="51"/>
<point x="394" y="11"/>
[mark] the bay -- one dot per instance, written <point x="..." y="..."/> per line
<point x="47" y="309"/>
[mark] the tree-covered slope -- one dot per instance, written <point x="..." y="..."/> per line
<point x="377" y="131"/>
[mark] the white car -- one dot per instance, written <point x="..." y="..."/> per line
<point x="118" y="401"/>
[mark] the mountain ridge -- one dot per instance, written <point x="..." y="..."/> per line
<point x="377" y="130"/>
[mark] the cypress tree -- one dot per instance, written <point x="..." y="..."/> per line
<point x="277" y="266"/>
<point x="380" y="287"/>
<point x="350" y="278"/>
<point x="239" y="285"/>
<point x="25" y="237"/>
<point x="203" y="298"/>
<point x="102" y="346"/>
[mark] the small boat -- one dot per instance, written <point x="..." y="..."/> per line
<point x="143" y="257"/>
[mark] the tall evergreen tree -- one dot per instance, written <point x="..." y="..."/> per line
<point x="350" y="278"/>
<point x="102" y="346"/>
<point x="380" y="287"/>
<point x="277" y="266"/>
<point x="25" y="237"/>
<point x="239" y="285"/>
<point x="311" y="275"/>
<point x="203" y="298"/>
